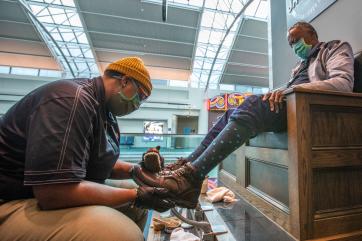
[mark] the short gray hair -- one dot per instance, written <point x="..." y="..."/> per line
<point x="305" y="25"/>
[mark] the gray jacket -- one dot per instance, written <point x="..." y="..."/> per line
<point x="331" y="69"/>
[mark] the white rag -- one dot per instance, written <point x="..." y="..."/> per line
<point x="221" y="194"/>
<point x="179" y="234"/>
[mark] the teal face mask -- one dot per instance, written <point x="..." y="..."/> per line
<point x="135" y="99"/>
<point x="121" y="105"/>
<point x="301" y="49"/>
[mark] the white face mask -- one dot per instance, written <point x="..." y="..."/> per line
<point x="120" y="105"/>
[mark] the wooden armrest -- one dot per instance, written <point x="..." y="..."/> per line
<point x="298" y="89"/>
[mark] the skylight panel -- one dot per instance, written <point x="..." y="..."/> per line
<point x="75" y="51"/>
<point x="257" y="9"/>
<point x="236" y="6"/>
<point x="62" y="21"/>
<point x="88" y="53"/>
<point x="251" y="9"/>
<point x="56" y="2"/>
<point x="262" y="11"/>
<point x="69" y="3"/>
<point x="68" y="36"/>
<point x="211" y="4"/>
<point x="74" y="20"/>
<point x="204" y="35"/>
<point x="36" y="9"/>
<point x="207" y="19"/>
<point x="198" y="63"/>
<point x="220" y="21"/>
<point x="65" y="51"/>
<point x="207" y="65"/>
<point x="216" y="37"/>
<point x="56" y="35"/>
<point x="82" y="38"/>
<point x="82" y="66"/>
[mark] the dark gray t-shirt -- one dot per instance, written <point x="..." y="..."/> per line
<point x="58" y="133"/>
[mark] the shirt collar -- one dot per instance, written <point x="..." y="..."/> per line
<point x="100" y="94"/>
<point x="314" y="51"/>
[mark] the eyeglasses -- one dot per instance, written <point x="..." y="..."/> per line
<point x="141" y="92"/>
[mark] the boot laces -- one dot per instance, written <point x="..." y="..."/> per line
<point x="181" y="172"/>
<point x="177" y="163"/>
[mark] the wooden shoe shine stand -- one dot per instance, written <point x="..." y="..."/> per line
<point x="313" y="187"/>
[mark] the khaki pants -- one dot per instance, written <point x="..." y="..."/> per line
<point x="21" y="220"/>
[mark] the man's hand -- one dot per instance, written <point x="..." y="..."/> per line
<point x="121" y="170"/>
<point x="276" y="98"/>
<point x="153" y="198"/>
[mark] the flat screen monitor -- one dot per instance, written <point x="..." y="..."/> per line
<point x="153" y="130"/>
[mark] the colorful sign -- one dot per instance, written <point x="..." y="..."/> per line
<point x="217" y="103"/>
<point x="234" y="100"/>
<point x="227" y="101"/>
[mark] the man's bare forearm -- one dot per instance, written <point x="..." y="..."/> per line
<point x="56" y="196"/>
<point x="121" y="170"/>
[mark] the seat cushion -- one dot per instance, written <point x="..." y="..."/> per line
<point x="270" y="140"/>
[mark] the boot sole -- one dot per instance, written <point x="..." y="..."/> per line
<point x="185" y="204"/>
<point x="191" y="204"/>
<point x="188" y="199"/>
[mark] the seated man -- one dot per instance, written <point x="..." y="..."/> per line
<point x="323" y="66"/>
<point x="58" y="145"/>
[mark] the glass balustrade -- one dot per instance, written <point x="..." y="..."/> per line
<point x="173" y="146"/>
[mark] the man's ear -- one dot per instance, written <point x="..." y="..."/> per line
<point x="123" y="81"/>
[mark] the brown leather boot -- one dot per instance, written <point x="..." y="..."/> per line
<point x="183" y="183"/>
<point x="174" y="166"/>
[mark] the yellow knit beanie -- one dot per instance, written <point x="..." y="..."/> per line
<point x="135" y="68"/>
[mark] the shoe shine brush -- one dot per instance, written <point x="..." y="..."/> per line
<point x="152" y="160"/>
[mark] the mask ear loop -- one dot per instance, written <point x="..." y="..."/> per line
<point x="135" y="96"/>
<point x="136" y="101"/>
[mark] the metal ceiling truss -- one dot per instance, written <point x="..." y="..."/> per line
<point x="59" y="24"/>
<point x="222" y="43"/>
<point x="214" y="28"/>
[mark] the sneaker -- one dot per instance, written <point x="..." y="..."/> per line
<point x="183" y="183"/>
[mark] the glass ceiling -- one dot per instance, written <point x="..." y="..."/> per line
<point x="217" y="17"/>
<point x="62" y="21"/>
